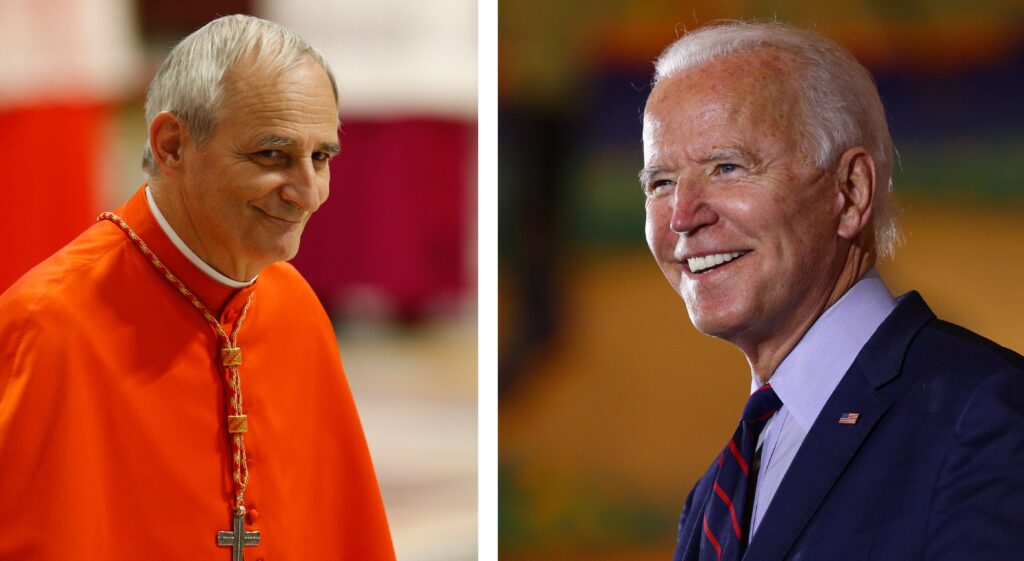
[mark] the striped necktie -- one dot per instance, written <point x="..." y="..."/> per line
<point x="725" y="513"/>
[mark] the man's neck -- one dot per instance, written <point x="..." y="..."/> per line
<point x="186" y="250"/>
<point x="766" y="356"/>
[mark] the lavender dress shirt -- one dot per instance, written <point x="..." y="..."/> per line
<point x="808" y="375"/>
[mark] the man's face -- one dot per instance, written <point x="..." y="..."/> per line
<point x="250" y="188"/>
<point x="738" y="218"/>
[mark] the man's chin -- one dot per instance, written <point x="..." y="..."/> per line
<point x="713" y="325"/>
<point x="277" y="252"/>
<point x="286" y="253"/>
<point x="716" y="331"/>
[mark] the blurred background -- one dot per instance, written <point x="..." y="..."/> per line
<point x="605" y="386"/>
<point x="392" y="254"/>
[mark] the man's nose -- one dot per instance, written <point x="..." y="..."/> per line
<point x="305" y="187"/>
<point x="690" y="207"/>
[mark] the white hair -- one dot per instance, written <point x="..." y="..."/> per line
<point x="838" y="99"/>
<point x="190" y="82"/>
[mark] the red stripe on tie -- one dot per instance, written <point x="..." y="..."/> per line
<point x="732" y="511"/>
<point x="711" y="538"/>
<point x="739" y="457"/>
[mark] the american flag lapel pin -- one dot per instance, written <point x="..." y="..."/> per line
<point x="849" y="418"/>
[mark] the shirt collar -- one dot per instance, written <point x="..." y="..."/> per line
<point x="187" y="251"/>
<point x="812" y="370"/>
<point x="138" y="214"/>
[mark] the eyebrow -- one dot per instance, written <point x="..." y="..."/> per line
<point x="714" y="155"/>
<point x="719" y="154"/>
<point x="277" y="141"/>
<point x="647" y="173"/>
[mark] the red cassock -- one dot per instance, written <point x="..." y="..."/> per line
<point x="113" y="439"/>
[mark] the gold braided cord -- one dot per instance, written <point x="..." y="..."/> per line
<point x="239" y="459"/>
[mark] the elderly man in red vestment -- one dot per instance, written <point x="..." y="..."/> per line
<point x="169" y="388"/>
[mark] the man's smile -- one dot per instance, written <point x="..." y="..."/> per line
<point x="278" y="219"/>
<point x="711" y="261"/>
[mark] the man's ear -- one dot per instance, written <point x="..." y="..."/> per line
<point x="166" y="137"/>
<point x="855" y="178"/>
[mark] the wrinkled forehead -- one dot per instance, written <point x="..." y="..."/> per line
<point x="751" y="91"/>
<point x="261" y="90"/>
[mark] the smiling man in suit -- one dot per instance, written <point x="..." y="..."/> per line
<point x="874" y="430"/>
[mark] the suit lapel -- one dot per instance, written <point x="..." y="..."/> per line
<point x="829" y="446"/>
<point x="822" y="457"/>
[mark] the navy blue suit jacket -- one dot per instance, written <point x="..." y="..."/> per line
<point x="932" y="470"/>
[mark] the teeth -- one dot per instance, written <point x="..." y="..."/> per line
<point x="698" y="264"/>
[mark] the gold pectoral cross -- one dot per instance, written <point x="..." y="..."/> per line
<point x="237" y="537"/>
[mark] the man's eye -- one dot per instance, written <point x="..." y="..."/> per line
<point x="321" y="156"/>
<point x="269" y="153"/>
<point x="726" y="168"/>
<point x="658" y="185"/>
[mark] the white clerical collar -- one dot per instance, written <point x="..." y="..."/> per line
<point x="189" y="254"/>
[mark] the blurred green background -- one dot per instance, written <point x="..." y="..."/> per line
<point x="605" y="385"/>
